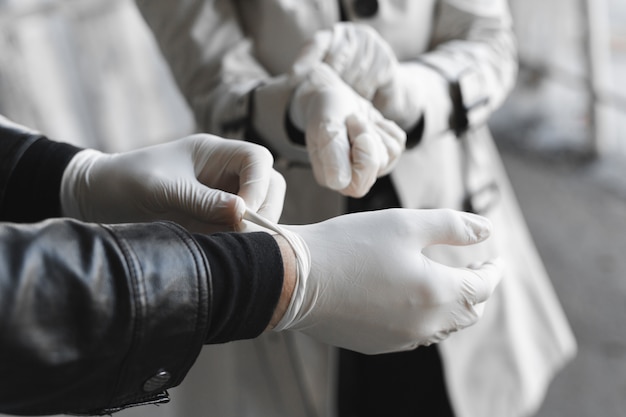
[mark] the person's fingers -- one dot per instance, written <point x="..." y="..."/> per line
<point x="374" y="65"/>
<point x="451" y="227"/>
<point x="393" y="145"/>
<point x="463" y="292"/>
<point x="366" y="153"/>
<point x="394" y="132"/>
<point x="342" y="51"/>
<point x="313" y="52"/>
<point x="255" y="171"/>
<point x="473" y="287"/>
<point x="272" y="207"/>
<point x="203" y="204"/>
<point x="329" y="150"/>
<point x="360" y="68"/>
<point x="479" y="309"/>
<point x="479" y="283"/>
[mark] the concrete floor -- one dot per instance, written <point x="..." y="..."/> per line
<point x="576" y="212"/>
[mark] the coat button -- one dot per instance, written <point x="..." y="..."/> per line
<point x="157" y="381"/>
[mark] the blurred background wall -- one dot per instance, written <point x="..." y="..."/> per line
<point x="567" y="96"/>
<point x="88" y="72"/>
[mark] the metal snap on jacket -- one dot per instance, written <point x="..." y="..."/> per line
<point x="157" y="381"/>
<point x="366" y="8"/>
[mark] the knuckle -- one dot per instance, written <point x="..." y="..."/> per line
<point x="263" y="154"/>
<point x="278" y="182"/>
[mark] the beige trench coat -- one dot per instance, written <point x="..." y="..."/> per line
<point x="219" y="50"/>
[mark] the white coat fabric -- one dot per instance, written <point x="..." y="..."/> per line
<point x="219" y="50"/>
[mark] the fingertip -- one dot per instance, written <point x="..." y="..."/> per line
<point x="485" y="278"/>
<point x="479" y="227"/>
<point x="340" y="180"/>
<point x="453" y="227"/>
<point x="225" y="208"/>
<point x="394" y="130"/>
<point x="335" y="177"/>
<point x="211" y="206"/>
<point x="498" y="266"/>
<point x="331" y="159"/>
<point x="355" y="124"/>
<point x="354" y="191"/>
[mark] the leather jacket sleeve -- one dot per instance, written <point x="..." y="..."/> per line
<point x="96" y="318"/>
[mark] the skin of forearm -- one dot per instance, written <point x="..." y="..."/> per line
<point x="289" y="280"/>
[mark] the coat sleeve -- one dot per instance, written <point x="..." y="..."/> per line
<point x="212" y="61"/>
<point x="474" y="50"/>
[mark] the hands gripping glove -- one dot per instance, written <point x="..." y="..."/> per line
<point x="356" y="52"/>
<point x="349" y="142"/>
<point x="371" y="290"/>
<point x="202" y="182"/>
<point x="366" y="62"/>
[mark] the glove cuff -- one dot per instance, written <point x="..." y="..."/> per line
<point x="75" y="184"/>
<point x="303" y="269"/>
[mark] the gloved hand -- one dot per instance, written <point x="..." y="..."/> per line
<point x="366" y="62"/>
<point x="371" y="290"/>
<point x="202" y="182"/>
<point x="350" y="143"/>
<point x="356" y="52"/>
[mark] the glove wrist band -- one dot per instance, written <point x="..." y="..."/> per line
<point x="303" y="268"/>
<point x="75" y="182"/>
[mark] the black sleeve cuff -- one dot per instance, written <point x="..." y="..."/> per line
<point x="414" y="136"/>
<point x="295" y="135"/>
<point x="250" y="132"/>
<point x="247" y="278"/>
<point x="33" y="187"/>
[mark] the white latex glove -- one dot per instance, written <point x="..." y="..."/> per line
<point x="202" y="182"/>
<point x="366" y="62"/>
<point x="354" y="51"/>
<point x="370" y="289"/>
<point x="350" y="143"/>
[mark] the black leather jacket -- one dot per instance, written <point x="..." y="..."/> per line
<point x="96" y="318"/>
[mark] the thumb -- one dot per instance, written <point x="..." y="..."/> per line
<point x="209" y="205"/>
<point x="451" y="227"/>
<point x="365" y="157"/>
<point x="272" y="206"/>
<point x="329" y="150"/>
<point x="480" y="282"/>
